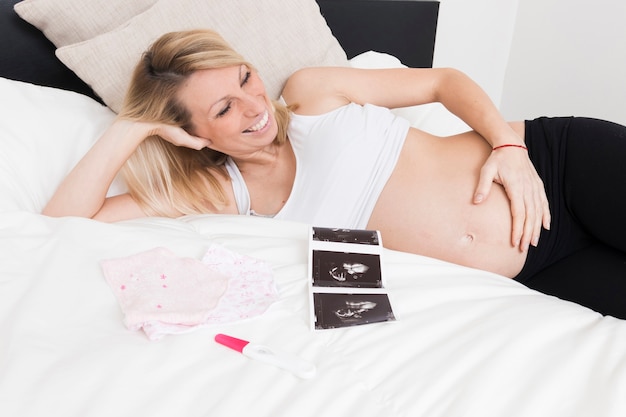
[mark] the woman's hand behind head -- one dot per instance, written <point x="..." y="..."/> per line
<point x="177" y="136"/>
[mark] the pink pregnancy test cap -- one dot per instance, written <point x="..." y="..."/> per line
<point x="231" y="342"/>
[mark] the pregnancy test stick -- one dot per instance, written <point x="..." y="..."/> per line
<point x="283" y="360"/>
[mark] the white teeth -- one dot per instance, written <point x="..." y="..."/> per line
<point x="261" y="124"/>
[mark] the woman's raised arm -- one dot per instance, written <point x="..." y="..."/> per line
<point x="318" y="90"/>
<point x="83" y="192"/>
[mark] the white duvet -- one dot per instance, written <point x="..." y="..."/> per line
<point x="466" y="343"/>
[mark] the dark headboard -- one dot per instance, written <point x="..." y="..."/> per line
<point x="27" y="55"/>
<point x="403" y="28"/>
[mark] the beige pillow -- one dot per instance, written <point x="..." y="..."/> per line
<point x="277" y="37"/>
<point x="65" y="22"/>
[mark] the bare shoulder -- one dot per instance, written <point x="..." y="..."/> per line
<point x="315" y="90"/>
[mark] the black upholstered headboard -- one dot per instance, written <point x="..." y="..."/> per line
<point x="27" y="55"/>
<point x="403" y="28"/>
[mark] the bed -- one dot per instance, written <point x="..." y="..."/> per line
<point x="464" y="342"/>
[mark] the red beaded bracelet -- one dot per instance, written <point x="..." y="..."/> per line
<point x="510" y="145"/>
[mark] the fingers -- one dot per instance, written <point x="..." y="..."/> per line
<point x="518" y="214"/>
<point x="546" y="218"/>
<point x="197" y="143"/>
<point x="525" y="229"/>
<point x="179" y="137"/>
<point x="530" y="210"/>
<point x="530" y="214"/>
<point x="485" y="181"/>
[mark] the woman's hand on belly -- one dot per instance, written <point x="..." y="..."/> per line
<point x="426" y="206"/>
<point x="436" y="221"/>
<point x="512" y="168"/>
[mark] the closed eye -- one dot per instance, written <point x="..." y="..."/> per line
<point x="246" y="78"/>
<point x="224" y="110"/>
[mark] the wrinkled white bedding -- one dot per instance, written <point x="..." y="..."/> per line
<point x="467" y="343"/>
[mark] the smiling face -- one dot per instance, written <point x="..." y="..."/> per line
<point x="230" y="107"/>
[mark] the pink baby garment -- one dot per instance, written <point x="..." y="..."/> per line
<point x="162" y="293"/>
<point x="157" y="286"/>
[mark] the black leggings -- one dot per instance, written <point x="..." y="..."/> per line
<point x="582" y="258"/>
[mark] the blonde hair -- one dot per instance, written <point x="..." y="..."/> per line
<point x="160" y="176"/>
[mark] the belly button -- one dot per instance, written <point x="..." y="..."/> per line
<point x="468" y="238"/>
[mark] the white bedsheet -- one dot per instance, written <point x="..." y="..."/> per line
<point x="467" y="343"/>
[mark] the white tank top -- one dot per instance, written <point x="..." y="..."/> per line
<point x="343" y="160"/>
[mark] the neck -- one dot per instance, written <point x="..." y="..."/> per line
<point x="265" y="159"/>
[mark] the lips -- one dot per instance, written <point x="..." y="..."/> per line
<point x="260" y="124"/>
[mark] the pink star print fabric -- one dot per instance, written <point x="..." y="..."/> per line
<point x="162" y="293"/>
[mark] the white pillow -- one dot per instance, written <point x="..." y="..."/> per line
<point x="65" y="22"/>
<point x="433" y="117"/>
<point x="277" y="37"/>
<point x="43" y="133"/>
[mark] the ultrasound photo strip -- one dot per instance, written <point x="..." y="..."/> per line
<point x="346" y="278"/>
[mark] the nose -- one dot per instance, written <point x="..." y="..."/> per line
<point x="254" y="104"/>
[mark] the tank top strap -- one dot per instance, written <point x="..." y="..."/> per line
<point x="242" y="196"/>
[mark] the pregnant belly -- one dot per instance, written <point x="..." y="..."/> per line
<point x="426" y="206"/>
